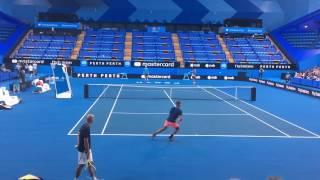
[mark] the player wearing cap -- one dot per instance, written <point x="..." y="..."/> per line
<point x="175" y="117"/>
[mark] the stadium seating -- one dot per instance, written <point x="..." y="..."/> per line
<point x="148" y="46"/>
<point x="46" y="47"/>
<point x="5" y="76"/>
<point x="201" y="47"/>
<point x="103" y="45"/>
<point x="106" y="44"/>
<point x="303" y="39"/>
<point x="6" y="31"/>
<point x="253" y="50"/>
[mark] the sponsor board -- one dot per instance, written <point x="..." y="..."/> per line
<point x="264" y="66"/>
<point x="212" y="77"/>
<point x="58" y="25"/>
<point x="152" y="64"/>
<point x="98" y="75"/>
<point x="149" y="64"/>
<point x="106" y="63"/>
<point x="202" y="65"/>
<point x="242" y="30"/>
<point x="43" y="62"/>
<point x="68" y="62"/>
<point x="150" y="76"/>
<point x="240" y="66"/>
<point x="286" y="87"/>
<point x="123" y="76"/>
<point x="253" y="80"/>
<point x="154" y="76"/>
<point x="229" y="78"/>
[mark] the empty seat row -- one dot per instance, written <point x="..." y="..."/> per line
<point x="47" y="47"/>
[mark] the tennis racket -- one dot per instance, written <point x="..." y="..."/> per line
<point x="90" y="164"/>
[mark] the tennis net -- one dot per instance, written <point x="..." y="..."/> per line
<point x="144" y="92"/>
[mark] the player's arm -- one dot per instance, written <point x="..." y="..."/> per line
<point x="180" y="118"/>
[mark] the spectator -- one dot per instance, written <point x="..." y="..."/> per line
<point x="35" y="69"/>
<point x="22" y="79"/>
<point x="30" y="69"/>
<point x="311" y="74"/>
<point x="26" y="68"/>
<point x="18" y="67"/>
<point x="261" y="71"/>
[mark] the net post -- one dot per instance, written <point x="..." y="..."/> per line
<point x="170" y="93"/>
<point x="253" y="94"/>
<point x="86" y="91"/>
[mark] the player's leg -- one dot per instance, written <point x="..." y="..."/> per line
<point x="159" y="131"/>
<point x="91" y="168"/>
<point x="92" y="171"/>
<point x="176" y="130"/>
<point x="165" y="126"/>
<point x="78" y="171"/>
<point x="81" y="163"/>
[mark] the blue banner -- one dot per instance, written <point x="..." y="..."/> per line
<point x="240" y="30"/>
<point x="57" y="25"/>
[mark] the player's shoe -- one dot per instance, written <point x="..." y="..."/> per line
<point x="95" y="178"/>
<point x="171" y="137"/>
<point x="153" y="135"/>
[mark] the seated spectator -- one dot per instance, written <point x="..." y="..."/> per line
<point x="311" y="74"/>
<point x="40" y="86"/>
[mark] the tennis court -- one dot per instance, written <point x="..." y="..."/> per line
<point x="221" y="137"/>
<point x="138" y="110"/>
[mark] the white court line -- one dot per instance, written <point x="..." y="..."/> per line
<point x="247" y="113"/>
<point x="169" y="97"/>
<point x="168" y="86"/>
<point x="281" y="119"/>
<point x="88" y="110"/>
<point x="110" y="113"/>
<point x="187" y="114"/>
<point x="206" y="135"/>
<point x="134" y="113"/>
<point x="141" y="90"/>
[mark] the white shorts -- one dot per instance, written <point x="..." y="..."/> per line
<point x="82" y="157"/>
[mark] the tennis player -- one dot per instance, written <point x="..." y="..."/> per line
<point x="175" y="117"/>
<point x="146" y="73"/>
<point x="194" y="76"/>
<point x="84" y="149"/>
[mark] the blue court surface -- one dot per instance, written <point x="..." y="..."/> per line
<point x="221" y="137"/>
